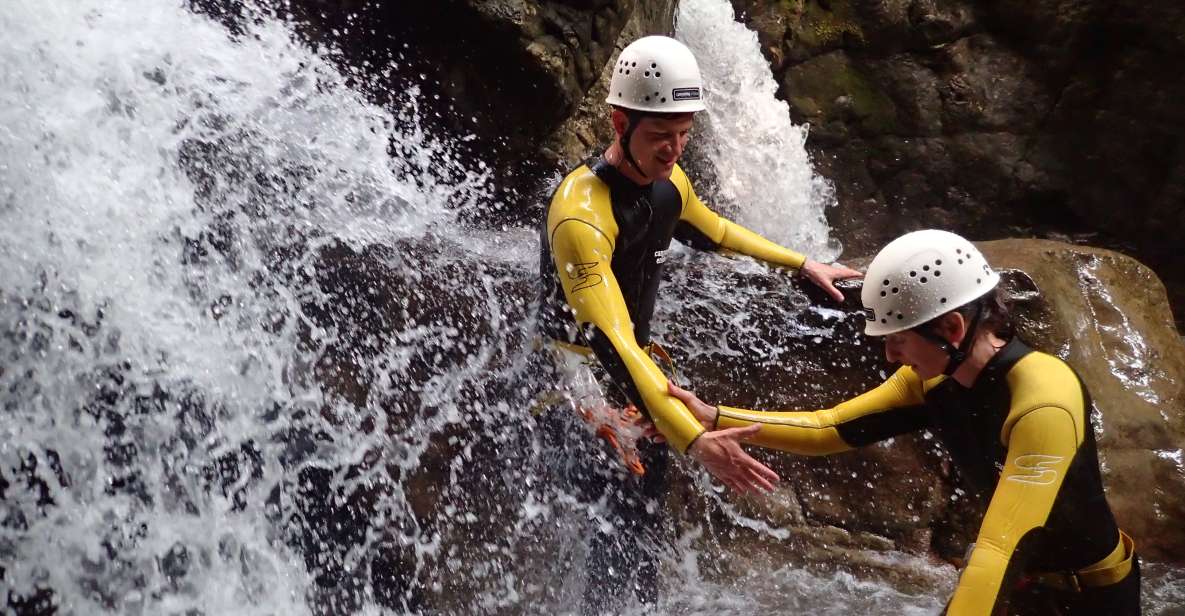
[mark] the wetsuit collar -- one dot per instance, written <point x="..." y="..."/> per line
<point x="612" y="175"/>
<point x="1000" y="363"/>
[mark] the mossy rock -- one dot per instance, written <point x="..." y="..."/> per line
<point x="829" y="89"/>
<point x="820" y="26"/>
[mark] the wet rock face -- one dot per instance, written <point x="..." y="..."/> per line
<point x="1104" y="313"/>
<point x="1108" y="316"/>
<point x="979" y="116"/>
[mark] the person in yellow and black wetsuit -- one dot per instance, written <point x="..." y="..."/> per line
<point x="607" y="229"/>
<point x="1015" y="422"/>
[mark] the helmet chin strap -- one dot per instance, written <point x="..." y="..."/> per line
<point x="956" y="355"/>
<point x="634" y="118"/>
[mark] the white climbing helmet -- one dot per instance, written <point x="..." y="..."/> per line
<point x="656" y="74"/>
<point x="919" y="276"/>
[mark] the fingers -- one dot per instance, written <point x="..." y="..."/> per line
<point x="835" y="293"/>
<point x="679" y="392"/>
<point x="763" y="475"/>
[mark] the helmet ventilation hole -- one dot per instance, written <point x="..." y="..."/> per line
<point x="938" y="262"/>
<point x="647" y="73"/>
<point x="884" y="321"/>
<point x="895" y="290"/>
<point x="657" y="74"/>
<point x="925" y="268"/>
<point x="978" y="280"/>
<point x="937" y="273"/>
<point x="653" y="65"/>
<point x="960" y="261"/>
<point x="900" y="317"/>
<point x="913" y="274"/>
<point x="627" y="71"/>
<point x="663" y="99"/>
<point x="886" y="283"/>
<point x="923" y="281"/>
<point x="883" y="294"/>
<point x="942" y="301"/>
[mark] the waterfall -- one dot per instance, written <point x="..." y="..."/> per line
<point x="173" y="200"/>
<point x="250" y="363"/>
<point x="756" y="154"/>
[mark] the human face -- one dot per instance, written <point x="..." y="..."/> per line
<point x="657" y="143"/>
<point x="911" y="349"/>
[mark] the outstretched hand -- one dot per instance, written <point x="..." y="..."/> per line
<point x="721" y="454"/>
<point x="719" y="451"/>
<point x="825" y="276"/>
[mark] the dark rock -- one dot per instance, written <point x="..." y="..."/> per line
<point x="1078" y="101"/>
<point x="1104" y="313"/>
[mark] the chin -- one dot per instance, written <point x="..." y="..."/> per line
<point x="663" y="172"/>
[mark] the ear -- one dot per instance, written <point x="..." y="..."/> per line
<point x="952" y="326"/>
<point x="620" y="122"/>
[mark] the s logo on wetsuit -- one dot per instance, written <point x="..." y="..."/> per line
<point x="584" y="276"/>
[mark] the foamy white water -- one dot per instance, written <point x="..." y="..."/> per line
<point x="247" y="365"/>
<point x="757" y="154"/>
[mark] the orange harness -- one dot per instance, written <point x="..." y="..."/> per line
<point x="619" y="427"/>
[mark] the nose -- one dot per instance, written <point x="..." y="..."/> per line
<point x="892" y="355"/>
<point x="676" y="146"/>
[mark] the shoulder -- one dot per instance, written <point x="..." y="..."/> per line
<point x="1039" y="380"/>
<point x="584" y="197"/>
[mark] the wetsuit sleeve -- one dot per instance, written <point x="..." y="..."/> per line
<point x="893" y="408"/>
<point x="704" y="229"/>
<point x="1041" y="447"/>
<point x="582" y="256"/>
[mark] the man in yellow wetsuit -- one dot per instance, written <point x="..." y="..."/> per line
<point x="1015" y="422"/>
<point x="607" y="230"/>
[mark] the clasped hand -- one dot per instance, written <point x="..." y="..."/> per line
<point x="720" y="451"/>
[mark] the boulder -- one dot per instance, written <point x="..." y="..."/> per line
<point x="1103" y="312"/>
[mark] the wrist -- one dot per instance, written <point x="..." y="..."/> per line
<point x="806" y="264"/>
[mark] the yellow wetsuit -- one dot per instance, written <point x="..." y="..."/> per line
<point x="1021" y="434"/>
<point x="603" y="247"/>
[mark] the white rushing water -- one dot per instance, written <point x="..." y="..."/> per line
<point x="757" y="155"/>
<point x="248" y="365"/>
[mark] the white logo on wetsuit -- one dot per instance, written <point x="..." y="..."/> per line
<point x="660" y="256"/>
<point x="1035" y="469"/>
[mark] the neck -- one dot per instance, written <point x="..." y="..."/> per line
<point x="985" y="347"/>
<point x="615" y="156"/>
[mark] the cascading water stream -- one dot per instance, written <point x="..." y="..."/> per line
<point x="757" y="156"/>
<point x="249" y="363"/>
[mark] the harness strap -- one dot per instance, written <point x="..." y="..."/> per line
<point x="1110" y="570"/>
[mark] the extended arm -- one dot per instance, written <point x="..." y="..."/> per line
<point x="704" y="229"/>
<point x="582" y="256"/>
<point x="892" y="408"/>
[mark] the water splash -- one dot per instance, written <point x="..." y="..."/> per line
<point x="248" y="365"/>
<point x="762" y="170"/>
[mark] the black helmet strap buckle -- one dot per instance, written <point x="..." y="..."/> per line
<point x="957" y="355"/>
